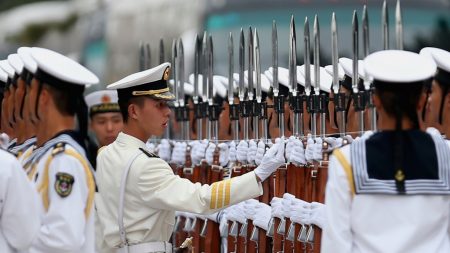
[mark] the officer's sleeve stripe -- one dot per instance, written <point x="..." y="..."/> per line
<point x="220" y="198"/>
<point x="347" y="168"/>
<point x="227" y="192"/>
<point x="213" y="201"/>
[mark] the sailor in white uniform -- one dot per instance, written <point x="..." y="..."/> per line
<point x="19" y="223"/>
<point x="60" y="170"/>
<point x="438" y="106"/>
<point x="138" y="192"/>
<point x="391" y="192"/>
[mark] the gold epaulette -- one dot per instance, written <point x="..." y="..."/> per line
<point x="59" y="148"/>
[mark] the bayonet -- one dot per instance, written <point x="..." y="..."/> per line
<point x="358" y="95"/>
<point x="320" y="100"/>
<point x="398" y="26"/>
<point x="243" y="104"/>
<point x="174" y="72"/>
<point x="256" y="55"/>
<point x="241" y="65"/>
<point x="307" y="58"/>
<point x="180" y="72"/>
<point x="385" y="25"/>
<point x="198" y="108"/>
<point x="334" y="54"/>
<point x="293" y="77"/>
<point x="365" y="30"/>
<point x="250" y="88"/>
<point x="339" y="98"/>
<point x="275" y="83"/>
<point x="141" y="56"/>
<point x="161" y="51"/>
<point x="148" y="56"/>
<point x="234" y="108"/>
<point x="230" y="69"/>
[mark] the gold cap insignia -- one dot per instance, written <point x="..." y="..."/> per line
<point x="166" y="74"/>
<point x="106" y="99"/>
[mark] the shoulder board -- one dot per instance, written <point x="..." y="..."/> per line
<point x="151" y="155"/>
<point x="59" y="148"/>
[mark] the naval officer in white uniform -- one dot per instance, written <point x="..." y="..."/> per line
<point x="138" y="191"/>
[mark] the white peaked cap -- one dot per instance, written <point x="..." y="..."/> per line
<point x="101" y="97"/>
<point x="62" y="67"/>
<point x="396" y="66"/>
<point x="325" y="79"/>
<point x="341" y="73"/>
<point x="28" y="62"/>
<point x="347" y="66"/>
<point x="15" y="62"/>
<point x="4" y="64"/>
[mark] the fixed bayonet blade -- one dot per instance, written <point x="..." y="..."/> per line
<point x="365" y="30"/>
<point x="250" y="64"/>
<point x="335" y="53"/>
<point x="256" y="54"/>
<point x="316" y="55"/>
<point x="293" y="58"/>
<point x="161" y="51"/>
<point x="181" y="70"/>
<point x="275" y="84"/>
<point x="204" y="65"/>
<point x="230" y="69"/>
<point x="241" y="65"/>
<point x="385" y="25"/>
<point x="141" y="56"/>
<point x="175" y="70"/>
<point x="148" y="56"/>
<point x="307" y="58"/>
<point x="398" y="26"/>
<point x="196" y="67"/>
<point x="355" y="52"/>
<point x="210" y="71"/>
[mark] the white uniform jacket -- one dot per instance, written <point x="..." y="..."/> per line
<point x="365" y="223"/>
<point x="153" y="193"/>
<point x="19" y="221"/>
<point x="66" y="186"/>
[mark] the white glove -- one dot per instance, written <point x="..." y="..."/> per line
<point x="198" y="151"/>
<point x="309" y="152"/>
<point x="224" y="154"/>
<point x="367" y="134"/>
<point x="4" y="140"/>
<point x="249" y="208"/>
<point x="286" y="204"/>
<point x="242" y="150"/>
<point x="214" y="217"/>
<point x="318" y="216"/>
<point x="260" y="152"/>
<point x="276" y="205"/>
<point x="237" y="213"/>
<point x="289" y="147"/>
<point x="179" y="153"/>
<point x="317" y="155"/>
<point x="252" y="149"/>
<point x="232" y="152"/>
<point x="209" y="156"/>
<point x="297" y="156"/>
<point x="262" y="216"/>
<point x="164" y="150"/>
<point x="300" y="211"/>
<point x="333" y="143"/>
<point x="272" y="160"/>
<point x="150" y="146"/>
<point x="348" y="138"/>
<point x="223" y="221"/>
